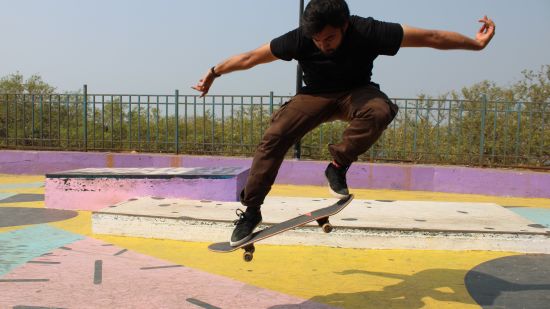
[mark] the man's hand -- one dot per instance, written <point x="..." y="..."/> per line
<point x="486" y="32"/>
<point x="204" y="84"/>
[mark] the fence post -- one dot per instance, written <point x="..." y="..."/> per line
<point x="85" y="116"/>
<point x="518" y="131"/>
<point x="482" y="133"/>
<point x="7" y="120"/>
<point x="299" y="81"/>
<point x="271" y="103"/>
<point x="177" y="121"/>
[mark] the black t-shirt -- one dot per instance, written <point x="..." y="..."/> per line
<point x="350" y="66"/>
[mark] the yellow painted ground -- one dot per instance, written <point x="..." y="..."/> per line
<point x="10" y="179"/>
<point x="347" y="278"/>
<point x="308" y="191"/>
<point x="17" y="179"/>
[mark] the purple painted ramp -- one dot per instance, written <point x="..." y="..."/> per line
<point x="92" y="274"/>
<point x="455" y="179"/>
<point x="93" y="189"/>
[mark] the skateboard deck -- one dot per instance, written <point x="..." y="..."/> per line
<point x="321" y="215"/>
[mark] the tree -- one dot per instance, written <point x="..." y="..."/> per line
<point x="16" y="84"/>
<point x="21" y="108"/>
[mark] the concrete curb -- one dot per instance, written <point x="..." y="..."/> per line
<point x="363" y="224"/>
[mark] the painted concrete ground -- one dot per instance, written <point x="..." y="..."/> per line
<point x="61" y="264"/>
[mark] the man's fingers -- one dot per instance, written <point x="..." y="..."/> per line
<point x="487" y="21"/>
<point x="482" y="29"/>
<point x="487" y="26"/>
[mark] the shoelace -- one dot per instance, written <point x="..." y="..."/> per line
<point x="241" y="216"/>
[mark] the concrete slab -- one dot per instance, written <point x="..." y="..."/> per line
<point x="96" y="188"/>
<point x="363" y="224"/>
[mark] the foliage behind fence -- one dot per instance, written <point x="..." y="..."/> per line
<point x="466" y="132"/>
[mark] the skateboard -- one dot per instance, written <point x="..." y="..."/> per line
<point x="320" y="215"/>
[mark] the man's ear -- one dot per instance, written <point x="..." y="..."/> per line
<point x="345" y="28"/>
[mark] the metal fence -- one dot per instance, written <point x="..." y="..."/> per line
<point x="480" y="133"/>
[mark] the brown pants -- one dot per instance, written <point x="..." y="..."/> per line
<point x="367" y="110"/>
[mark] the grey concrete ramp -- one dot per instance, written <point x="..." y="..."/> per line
<point x="363" y="224"/>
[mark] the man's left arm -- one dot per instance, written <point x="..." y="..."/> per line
<point x="416" y="37"/>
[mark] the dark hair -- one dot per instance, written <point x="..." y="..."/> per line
<point x="320" y="13"/>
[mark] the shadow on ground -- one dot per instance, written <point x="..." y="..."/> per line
<point x="511" y="282"/>
<point x="438" y="284"/>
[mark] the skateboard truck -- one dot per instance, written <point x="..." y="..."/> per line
<point x="324" y="223"/>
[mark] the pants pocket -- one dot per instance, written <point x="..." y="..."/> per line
<point x="277" y="113"/>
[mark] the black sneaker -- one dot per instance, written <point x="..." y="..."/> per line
<point x="244" y="226"/>
<point x="336" y="177"/>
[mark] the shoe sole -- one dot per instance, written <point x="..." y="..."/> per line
<point x="337" y="195"/>
<point x="242" y="241"/>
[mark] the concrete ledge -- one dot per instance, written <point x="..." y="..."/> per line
<point x="363" y="224"/>
<point x="452" y="179"/>
<point x="93" y="189"/>
<point x="208" y="231"/>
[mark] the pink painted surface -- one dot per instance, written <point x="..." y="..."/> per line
<point x="98" y="193"/>
<point x="125" y="284"/>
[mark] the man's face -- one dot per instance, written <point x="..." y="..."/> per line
<point x="329" y="39"/>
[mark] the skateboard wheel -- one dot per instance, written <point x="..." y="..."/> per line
<point x="248" y="256"/>
<point x="327" y="227"/>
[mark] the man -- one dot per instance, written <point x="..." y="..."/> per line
<point x="336" y="53"/>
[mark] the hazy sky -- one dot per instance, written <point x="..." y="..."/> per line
<point x="155" y="47"/>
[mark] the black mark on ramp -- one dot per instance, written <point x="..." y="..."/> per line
<point x="33" y="307"/>
<point x="24" y="280"/>
<point x="159" y="267"/>
<point x="121" y="252"/>
<point x="201" y="304"/>
<point x="98" y="272"/>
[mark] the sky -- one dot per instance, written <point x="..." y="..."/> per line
<point x="156" y="47"/>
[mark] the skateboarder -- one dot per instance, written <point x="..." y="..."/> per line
<point x="336" y="53"/>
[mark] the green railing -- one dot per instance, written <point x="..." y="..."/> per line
<point x="480" y="133"/>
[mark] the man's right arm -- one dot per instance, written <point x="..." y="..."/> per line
<point x="416" y="37"/>
<point x="238" y="62"/>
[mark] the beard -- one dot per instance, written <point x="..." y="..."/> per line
<point x="329" y="52"/>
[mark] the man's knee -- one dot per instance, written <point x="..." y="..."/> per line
<point x="274" y="143"/>
<point x="379" y="112"/>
